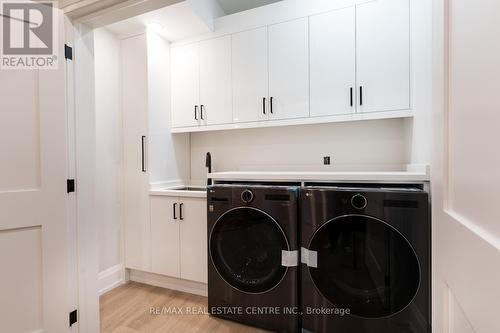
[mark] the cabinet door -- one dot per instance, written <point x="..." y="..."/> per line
<point x="185" y="85"/>
<point x="333" y="62"/>
<point x="194" y="239"/>
<point x="135" y="139"/>
<point x="289" y="69"/>
<point x="215" y="81"/>
<point x="250" y="75"/>
<point x="165" y="235"/>
<point x="383" y="50"/>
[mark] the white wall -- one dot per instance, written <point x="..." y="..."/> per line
<point x="168" y="154"/>
<point x="357" y="145"/>
<point x="376" y="144"/>
<point x="108" y="148"/>
<point x="421" y="77"/>
<point x="85" y="156"/>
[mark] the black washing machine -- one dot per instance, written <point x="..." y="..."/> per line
<point x="366" y="259"/>
<point x="253" y="255"/>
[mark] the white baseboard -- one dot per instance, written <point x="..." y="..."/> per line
<point x="111" y="278"/>
<point x="168" y="282"/>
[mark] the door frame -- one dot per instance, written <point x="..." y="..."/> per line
<point x="81" y="18"/>
<point x="83" y="227"/>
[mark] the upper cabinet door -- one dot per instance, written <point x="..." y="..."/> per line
<point x="289" y="69"/>
<point x="383" y="51"/>
<point x="215" y="81"/>
<point x="185" y="85"/>
<point x="250" y="75"/>
<point x="333" y="62"/>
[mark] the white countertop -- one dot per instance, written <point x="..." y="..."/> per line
<point x="177" y="191"/>
<point x="417" y="174"/>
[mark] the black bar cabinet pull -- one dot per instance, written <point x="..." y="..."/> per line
<point x="271" y="105"/>
<point x="180" y="212"/>
<point x="201" y="111"/>
<point x="264" y="105"/>
<point x="174" y="208"/>
<point x="360" y="95"/>
<point x="351" y="96"/>
<point x="196" y="112"/>
<point x="143" y="147"/>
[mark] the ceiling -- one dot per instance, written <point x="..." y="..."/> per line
<point x="177" y="22"/>
<point x="235" y="6"/>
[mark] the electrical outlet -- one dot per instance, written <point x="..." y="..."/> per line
<point x="326" y="160"/>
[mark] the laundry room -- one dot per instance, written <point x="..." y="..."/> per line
<point x="250" y="166"/>
<point x="234" y="139"/>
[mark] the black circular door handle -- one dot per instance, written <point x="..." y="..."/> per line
<point x="359" y="201"/>
<point x="247" y="196"/>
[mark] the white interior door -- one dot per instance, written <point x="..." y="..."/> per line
<point x="250" y="75"/>
<point x="332" y="47"/>
<point x="216" y="105"/>
<point x="185" y="85"/>
<point x="383" y="55"/>
<point x="33" y="236"/>
<point x="289" y="69"/>
<point x="466" y="181"/>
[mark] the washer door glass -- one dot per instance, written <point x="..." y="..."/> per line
<point x="245" y="247"/>
<point x="365" y="265"/>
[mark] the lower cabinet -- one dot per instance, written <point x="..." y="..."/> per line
<point x="179" y="237"/>
<point x="165" y="241"/>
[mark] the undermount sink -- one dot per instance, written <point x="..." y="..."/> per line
<point x="181" y="191"/>
<point x="190" y="188"/>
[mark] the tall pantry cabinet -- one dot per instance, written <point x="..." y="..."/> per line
<point x="151" y="155"/>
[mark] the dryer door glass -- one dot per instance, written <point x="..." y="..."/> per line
<point x="245" y="247"/>
<point x="365" y="265"/>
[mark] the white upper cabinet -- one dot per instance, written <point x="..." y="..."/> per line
<point x="250" y="75"/>
<point x="185" y="85"/>
<point x="289" y="69"/>
<point x="383" y="53"/>
<point x="201" y="83"/>
<point x="333" y="62"/>
<point x="331" y="66"/>
<point x="215" y="81"/>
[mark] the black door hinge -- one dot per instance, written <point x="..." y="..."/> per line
<point x="73" y="317"/>
<point x="70" y="185"/>
<point x="68" y="52"/>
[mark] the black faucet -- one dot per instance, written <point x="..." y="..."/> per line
<point x="208" y="164"/>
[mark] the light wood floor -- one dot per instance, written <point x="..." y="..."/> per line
<point x="126" y="309"/>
